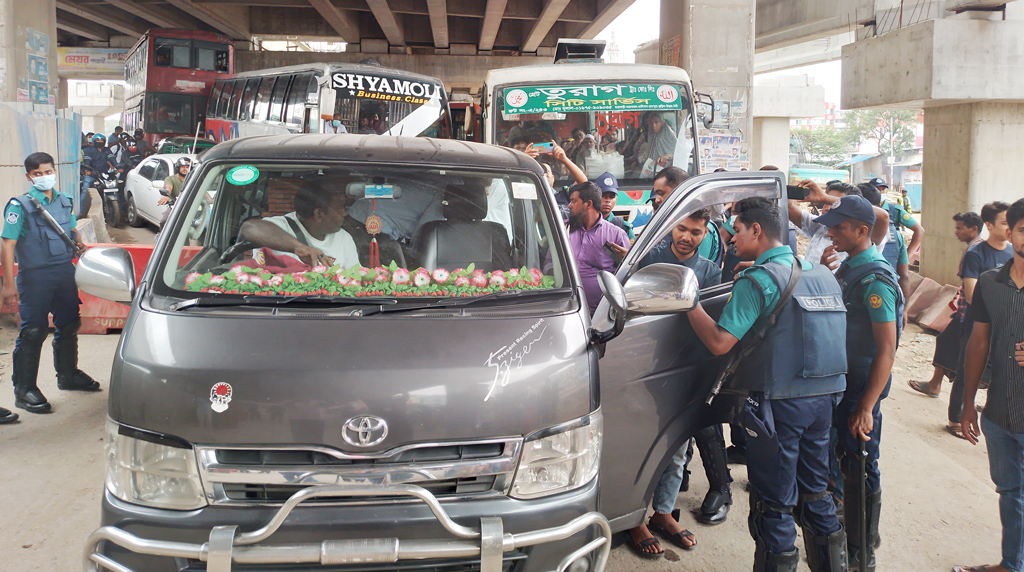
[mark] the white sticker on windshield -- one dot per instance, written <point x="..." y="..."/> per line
<point x="524" y="191"/>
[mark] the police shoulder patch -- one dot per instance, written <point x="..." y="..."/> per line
<point x="875" y="300"/>
<point x="906" y="216"/>
<point x="12" y="218"/>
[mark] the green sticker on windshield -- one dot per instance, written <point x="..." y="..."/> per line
<point x="243" y="175"/>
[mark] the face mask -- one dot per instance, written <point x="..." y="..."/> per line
<point x="335" y="122"/>
<point x="44" y="183"/>
<point x="98" y="144"/>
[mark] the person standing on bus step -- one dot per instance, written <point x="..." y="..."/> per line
<point x="335" y="125"/>
<point x="609" y="196"/>
<point x="898" y="216"/>
<point x="788" y="411"/>
<point x="874" y="309"/>
<point x="45" y="284"/>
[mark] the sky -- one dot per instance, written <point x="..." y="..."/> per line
<point x="640" y="22"/>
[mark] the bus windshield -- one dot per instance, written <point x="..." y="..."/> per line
<point x="629" y="130"/>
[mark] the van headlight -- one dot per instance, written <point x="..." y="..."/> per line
<point x="152" y="472"/>
<point x="560" y="461"/>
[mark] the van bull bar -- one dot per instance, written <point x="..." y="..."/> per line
<point x="227" y="546"/>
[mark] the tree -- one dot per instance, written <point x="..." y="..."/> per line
<point x="892" y="129"/>
<point x="826" y="145"/>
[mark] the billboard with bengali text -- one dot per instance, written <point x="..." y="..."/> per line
<point x="107" y="61"/>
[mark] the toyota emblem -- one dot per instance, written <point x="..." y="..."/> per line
<point x="364" y="431"/>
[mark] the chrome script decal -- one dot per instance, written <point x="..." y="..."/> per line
<point x="513" y="354"/>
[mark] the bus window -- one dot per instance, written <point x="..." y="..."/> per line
<point x="211" y="57"/>
<point x="263" y="99"/>
<point x="277" y="98"/>
<point x="169" y="113"/>
<point x="248" y="98"/>
<point x="224" y="99"/>
<point x="236" y="96"/>
<point x="296" y="110"/>
<point x="172" y="53"/>
<point x="211" y="107"/>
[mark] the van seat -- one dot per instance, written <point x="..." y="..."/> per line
<point x="463" y="237"/>
<point x="281" y="195"/>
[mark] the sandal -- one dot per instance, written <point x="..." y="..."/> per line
<point x="956" y="431"/>
<point x="922" y="387"/>
<point x="970" y="569"/>
<point x="639" y="547"/>
<point x="676" y="538"/>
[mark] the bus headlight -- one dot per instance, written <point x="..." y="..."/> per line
<point x="153" y="474"/>
<point x="560" y="462"/>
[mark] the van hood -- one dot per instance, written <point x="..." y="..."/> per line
<point x="246" y="380"/>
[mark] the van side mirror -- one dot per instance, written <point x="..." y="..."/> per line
<point x="107" y="272"/>
<point x="612" y="291"/>
<point x="662" y="289"/>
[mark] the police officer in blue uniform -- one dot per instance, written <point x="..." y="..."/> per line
<point x="874" y="302"/>
<point x="45" y="284"/>
<point x="794" y="375"/>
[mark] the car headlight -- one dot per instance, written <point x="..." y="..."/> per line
<point x="150" y="473"/>
<point x="562" y="461"/>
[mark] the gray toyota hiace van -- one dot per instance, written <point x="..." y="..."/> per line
<point x="373" y="353"/>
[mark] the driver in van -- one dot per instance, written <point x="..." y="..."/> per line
<point x="311" y="233"/>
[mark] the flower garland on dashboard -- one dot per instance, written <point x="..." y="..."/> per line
<point x="363" y="281"/>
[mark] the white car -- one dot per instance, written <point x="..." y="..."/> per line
<point x="143" y="185"/>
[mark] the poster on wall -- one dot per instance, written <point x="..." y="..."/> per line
<point x="37" y="42"/>
<point x="722" y="151"/>
<point x="38" y="92"/>
<point x="670" y="52"/>
<point x="37" y="68"/>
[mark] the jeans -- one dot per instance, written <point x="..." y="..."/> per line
<point x="1006" y="465"/>
<point x="671" y="478"/>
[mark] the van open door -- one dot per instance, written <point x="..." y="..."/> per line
<point x="656" y="375"/>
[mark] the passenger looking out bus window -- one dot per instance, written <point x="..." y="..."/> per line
<point x="172" y="52"/>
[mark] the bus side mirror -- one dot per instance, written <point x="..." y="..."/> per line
<point x="706" y="108"/>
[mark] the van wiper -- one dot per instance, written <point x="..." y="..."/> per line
<point x="454" y="302"/>
<point x="219" y="302"/>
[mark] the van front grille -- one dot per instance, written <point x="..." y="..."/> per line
<point x="511" y="562"/>
<point x="270" y="475"/>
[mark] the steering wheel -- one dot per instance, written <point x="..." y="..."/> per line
<point x="235" y="249"/>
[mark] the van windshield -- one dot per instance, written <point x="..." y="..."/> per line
<point x="362" y="231"/>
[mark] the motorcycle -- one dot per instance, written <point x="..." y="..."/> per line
<point x="85" y="200"/>
<point x="109" y="185"/>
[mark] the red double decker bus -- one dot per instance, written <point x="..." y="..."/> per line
<point x="169" y="74"/>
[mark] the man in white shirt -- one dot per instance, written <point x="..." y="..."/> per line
<point x="335" y="125"/>
<point x="820" y="243"/>
<point x="312" y="233"/>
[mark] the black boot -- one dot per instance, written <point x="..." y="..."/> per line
<point x="7" y="416"/>
<point x="772" y="562"/>
<point x="65" y="360"/>
<point x="874" y="511"/>
<point x="715" y="508"/>
<point x="826" y="553"/>
<point x="26" y="367"/>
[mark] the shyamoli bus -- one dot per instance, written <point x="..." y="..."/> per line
<point x="328" y="98"/>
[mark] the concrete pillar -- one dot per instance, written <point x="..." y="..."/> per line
<point x="770" y="142"/>
<point x="716" y="46"/>
<point x="28" y="50"/>
<point x="972" y="156"/>
<point x="969" y="77"/>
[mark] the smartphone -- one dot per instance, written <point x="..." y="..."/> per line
<point x="608" y="246"/>
<point x="795" y="193"/>
<point x="548" y="147"/>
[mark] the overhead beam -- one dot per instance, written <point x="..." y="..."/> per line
<point x="386" y="19"/>
<point x="154" y="14"/>
<point x="438" y="11"/>
<point x="80" y="27"/>
<point x="548" y="16"/>
<point x="492" y="21"/>
<point x="604" y="18"/>
<point x="342" y="23"/>
<point x="232" y="21"/>
<point x="109" y="19"/>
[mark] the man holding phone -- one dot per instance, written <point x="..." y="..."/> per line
<point x="595" y="241"/>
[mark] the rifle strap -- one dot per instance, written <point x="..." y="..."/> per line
<point x="53" y="224"/>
